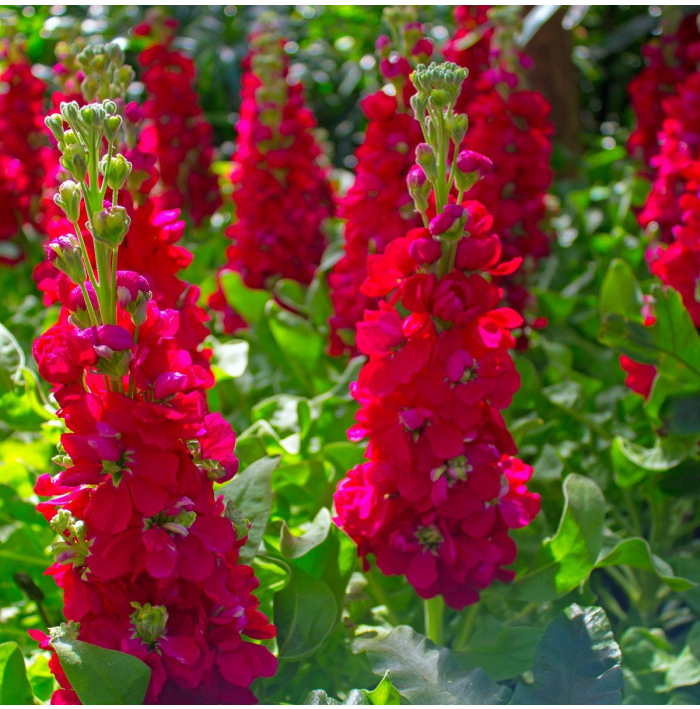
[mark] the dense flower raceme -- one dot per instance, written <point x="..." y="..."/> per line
<point x="377" y="208"/>
<point x="281" y="195"/>
<point x="510" y="126"/>
<point x="668" y="62"/>
<point x="136" y="509"/>
<point x="176" y="131"/>
<point x="441" y="488"/>
<point x="24" y="150"/>
<point x="147" y="556"/>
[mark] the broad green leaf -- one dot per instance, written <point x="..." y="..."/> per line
<point x="680" y="415"/>
<point x="384" y="693"/>
<point x="502" y="651"/>
<point x="634" y="463"/>
<point x="567" y="558"/>
<point x="576" y="662"/>
<point x="296" y="337"/>
<point x="635" y="552"/>
<point x="315" y="533"/>
<point x="249" y="303"/>
<point x="231" y="357"/>
<point x="250" y="491"/>
<point x="11" y="358"/>
<point x="101" y="676"/>
<point x="620" y="292"/>
<point x="292" y="294"/>
<point x="646" y="656"/>
<point x="684" y="671"/>
<point x="548" y="466"/>
<point x="305" y="613"/>
<point x="424" y="673"/>
<point x="14" y="685"/>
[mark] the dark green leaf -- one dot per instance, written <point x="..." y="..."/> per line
<point x="14" y="685"/>
<point x="646" y="656"/>
<point x="101" y="676"/>
<point x="576" y="662"/>
<point x="633" y="463"/>
<point x="684" y="671"/>
<point x="635" y="552"/>
<point x="424" y="673"/>
<point x="251" y="493"/>
<point x="305" y="613"/>
<point x="295" y="336"/>
<point x="680" y="415"/>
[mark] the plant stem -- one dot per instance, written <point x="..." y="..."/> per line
<point x="465" y="632"/>
<point x="434" y="609"/>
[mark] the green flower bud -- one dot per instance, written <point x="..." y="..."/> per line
<point x="55" y="124"/>
<point x="111" y="127"/>
<point x="65" y="254"/>
<point x="68" y="199"/>
<point x="110" y="226"/>
<point x="149" y="623"/>
<point x="70" y="112"/>
<point x="72" y="547"/>
<point x="99" y="64"/>
<point x="438" y="98"/>
<point x="89" y="87"/>
<point x="70" y="138"/>
<point x="425" y="157"/>
<point x="115" y="53"/>
<point x="125" y="75"/>
<point x="109" y="107"/>
<point x="93" y="116"/>
<point x="457" y="125"/>
<point x="74" y="160"/>
<point x="116" y="172"/>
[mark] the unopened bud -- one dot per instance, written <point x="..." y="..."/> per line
<point x="74" y="160"/>
<point x="68" y="199"/>
<point x="55" y="124"/>
<point x="471" y="167"/>
<point x="438" y="98"/>
<point x="457" y="125"/>
<point x="115" y="171"/>
<point x="110" y="226"/>
<point x="149" y="623"/>
<point x="65" y="254"/>
<point x="425" y="157"/>
<point x="70" y="112"/>
<point x="112" y="125"/>
<point x="449" y="224"/>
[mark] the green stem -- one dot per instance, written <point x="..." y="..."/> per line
<point x="103" y="293"/>
<point x="86" y="260"/>
<point x="88" y="305"/>
<point x="434" y="609"/>
<point x="465" y="632"/>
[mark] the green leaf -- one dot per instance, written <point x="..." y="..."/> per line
<point x="634" y="463"/>
<point x="296" y="337"/>
<point x="315" y="533"/>
<point x="502" y="651"/>
<point x="684" y="671"/>
<point x="320" y="697"/>
<point x="534" y="20"/>
<point x="231" y="357"/>
<point x="305" y="613"/>
<point x="566" y="559"/>
<point x="424" y="673"/>
<point x="635" y="552"/>
<point x="620" y="292"/>
<point x="11" y="358"/>
<point x="249" y="303"/>
<point x="646" y="656"/>
<point x="384" y="693"/>
<point x="680" y="415"/>
<point x="576" y="662"/>
<point x="14" y="685"/>
<point x="101" y="676"/>
<point x="251" y="492"/>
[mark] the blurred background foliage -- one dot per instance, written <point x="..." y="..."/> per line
<point x="332" y="49"/>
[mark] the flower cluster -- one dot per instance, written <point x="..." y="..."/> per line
<point x="281" y="195"/>
<point x="668" y="62"/>
<point x="378" y="209"/>
<point x="509" y="125"/>
<point x="176" y="131"/>
<point x="24" y="151"/>
<point x="147" y="555"/>
<point x="441" y="488"/>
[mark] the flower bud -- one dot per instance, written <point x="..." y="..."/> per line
<point x="449" y="223"/>
<point x="70" y="112"/>
<point x="68" y="199"/>
<point x="418" y="187"/>
<point x="65" y="254"/>
<point x="55" y="124"/>
<point x="425" y="157"/>
<point x="438" y="98"/>
<point x="383" y="46"/>
<point x="471" y="167"/>
<point x="74" y="160"/>
<point x="109" y="227"/>
<point x="115" y="53"/>
<point x="80" y="316"/>
<point x="93" y="116"/>
<point x="457" y="125"/>
<point x="109" y="107"/>
<point x="112" y="125"/>
<point x="418" y="104"/>
<point x="116" y="171"/>
<point x="149" y="623"/>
